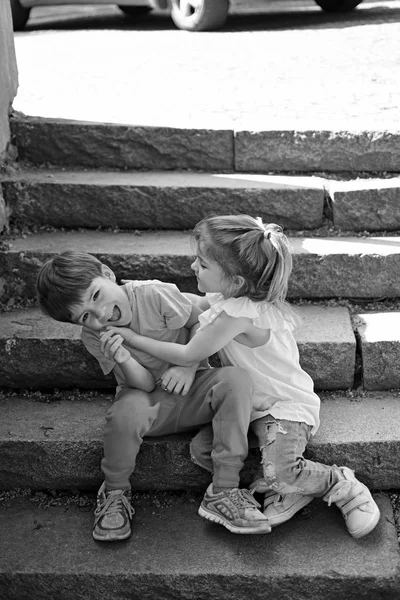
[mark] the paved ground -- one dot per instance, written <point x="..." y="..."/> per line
<point x="274" y="65"/>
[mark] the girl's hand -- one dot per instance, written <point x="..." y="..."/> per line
<point x="112" y="348"/>
<point x="127" y="334"/>
<point x="178" y="380"/>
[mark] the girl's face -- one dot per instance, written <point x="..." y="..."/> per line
<point x="210" y="276"/>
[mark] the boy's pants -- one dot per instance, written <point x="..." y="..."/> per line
<point x="221" y="395"/>
<point x="283" y="467"/>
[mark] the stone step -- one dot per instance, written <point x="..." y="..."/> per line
<point x="349" y="267"/>
<point x="38" y="352"/>
<point x="104" y="145"/>
<point x="178" y="200"/>
<point x="174" y="553"/>
<point x="366" y="204"/>
<point x="54" y="441"/>
<point x="159" y="200"/>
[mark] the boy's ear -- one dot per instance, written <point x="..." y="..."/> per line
<point x="108" y="273"/>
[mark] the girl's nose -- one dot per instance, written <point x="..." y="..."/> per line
<point x="193" y="265"/>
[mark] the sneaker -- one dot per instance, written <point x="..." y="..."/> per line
<point x="279" y="508"/>
<point x="355" y="502"/>
<point x="113" y="515"/>
<point x="235" y="509"/>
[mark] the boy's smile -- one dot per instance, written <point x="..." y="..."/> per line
<point x="103" y="303"/>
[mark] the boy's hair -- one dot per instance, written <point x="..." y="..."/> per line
<point x="63" y="280"/>
<point x="243" y="246"/>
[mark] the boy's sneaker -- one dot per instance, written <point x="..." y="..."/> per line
<point x="355" y="502"/>
<point x="279" y="508"/>
<point x="235" y="509"/>
<point x="113" y="515"/>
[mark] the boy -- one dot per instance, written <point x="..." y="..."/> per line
<point x="153" y="398"/>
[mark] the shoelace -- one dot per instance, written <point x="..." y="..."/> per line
<point x="115" y="502"/>
<point x="243" y="499"/>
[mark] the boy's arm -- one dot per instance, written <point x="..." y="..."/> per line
<point x="129" y="369"/>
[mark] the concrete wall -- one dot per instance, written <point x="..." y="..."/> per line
<point x="8" y="75"/>
<point x="8" y="90"/>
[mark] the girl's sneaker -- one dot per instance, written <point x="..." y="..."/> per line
<point x="355" y="502"/>
<point x="235" y="509"/>
<point x="113" y="515"/>
<point x="279" y="508"/>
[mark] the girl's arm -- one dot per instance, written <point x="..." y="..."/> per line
<point x="200" y="301"/>
<point x="203" y="344"/>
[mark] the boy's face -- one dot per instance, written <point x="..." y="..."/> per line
<point x="104" y="303"/>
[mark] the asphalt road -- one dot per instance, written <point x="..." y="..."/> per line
<point x="275" y="65"/>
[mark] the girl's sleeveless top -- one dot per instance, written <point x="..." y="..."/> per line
<point x="282" y="388"/>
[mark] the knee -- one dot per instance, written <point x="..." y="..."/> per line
<point x="237" y="379"/>
<point x="283" y="479"/>
<point x="129" y="410"/>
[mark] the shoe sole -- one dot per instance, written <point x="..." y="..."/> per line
<point x="100" y="538"/>
<point x="210" y="516"/>
<point x="288" y="514"/>
<point x="369" y="526"/>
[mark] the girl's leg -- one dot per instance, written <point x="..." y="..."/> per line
<point x="295" y="478"/>
<point x="285" y="470"/>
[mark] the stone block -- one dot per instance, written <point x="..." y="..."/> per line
<point x="159" y="200"/>
<point x="366" y="204"/>
<point x="102" y="145"/>
<point x="308" y="151"/>
<point x="327" y="346"/>
<point x="380" y="348"/>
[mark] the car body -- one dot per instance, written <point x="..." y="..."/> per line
<point x="193" y="15"/>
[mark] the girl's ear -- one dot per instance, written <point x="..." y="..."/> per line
<point x="238" y="281"/>
<point x="107" y="273"/>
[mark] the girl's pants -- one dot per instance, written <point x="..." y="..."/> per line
<point x="222" y="396"/>
<point x="283" y="467"/>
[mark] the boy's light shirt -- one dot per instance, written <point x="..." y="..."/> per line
<point x="159" y="311"/>
<point x="282" y="388"/>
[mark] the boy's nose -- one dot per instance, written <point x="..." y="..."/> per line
<point x="100" y="313"/>
<point x="193" y="266"/>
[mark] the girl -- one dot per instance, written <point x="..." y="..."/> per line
<point x="243" y="267"/>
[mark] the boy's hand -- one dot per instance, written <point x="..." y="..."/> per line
<point x="178" y="380"/>
<point x="112" y="348"/>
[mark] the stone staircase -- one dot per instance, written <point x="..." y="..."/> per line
<point x="129" y="195"/>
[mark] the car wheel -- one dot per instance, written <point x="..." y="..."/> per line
<point x="135" y="11"/>
<point x="20" y="14"/>
<point x="337" y="5"/>
<point x="199" y="15"/>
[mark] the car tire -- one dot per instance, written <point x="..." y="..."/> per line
<point x="20" y="14"/>
<point x="338" y="5"/>
<point x="135" y="11"/>
<point x="199" y="15"/>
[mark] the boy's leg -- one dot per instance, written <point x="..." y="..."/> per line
<point x="224" y="396"/>
<point x="127" y="422"/>
<point x="288" y="473"/>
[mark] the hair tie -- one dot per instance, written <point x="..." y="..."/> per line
<point x="267" y="234"/>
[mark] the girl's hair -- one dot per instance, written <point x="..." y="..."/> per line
<point x="255" y="257"/>
<point x="63" y="280"/>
